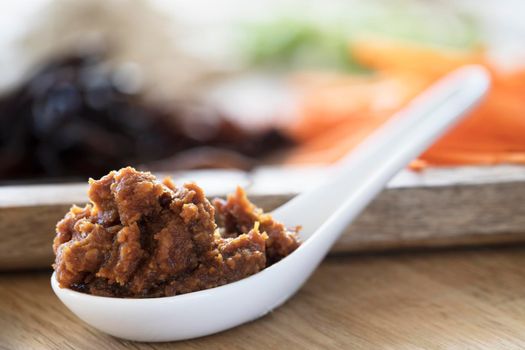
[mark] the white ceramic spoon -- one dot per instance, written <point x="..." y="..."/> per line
<point x="323" y="212"/>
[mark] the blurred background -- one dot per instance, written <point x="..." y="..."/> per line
<point x="91" y="86"/>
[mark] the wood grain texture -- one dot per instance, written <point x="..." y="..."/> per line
<point x="460" y="299"/>
<point x="439" y="207"/>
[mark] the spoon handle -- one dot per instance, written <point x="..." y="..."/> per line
<point x="361" y="175"/>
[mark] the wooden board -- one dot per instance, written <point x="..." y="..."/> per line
<point x="438" y="207"/>
<point x="460" y="299"/>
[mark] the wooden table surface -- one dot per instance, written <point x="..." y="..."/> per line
<point x="459" y="299"/>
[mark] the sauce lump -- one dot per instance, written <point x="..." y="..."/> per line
<point x="141" y="238"/>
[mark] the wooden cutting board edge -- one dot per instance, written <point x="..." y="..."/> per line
<point x="420" y="213"/>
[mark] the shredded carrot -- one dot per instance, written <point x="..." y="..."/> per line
<point x="398" y="56"/>
<point x="338" y="112"/>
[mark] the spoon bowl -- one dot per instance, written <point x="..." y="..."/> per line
<point x="323" y="212"/>
<point x="194" y="314"/>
